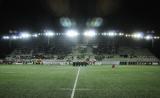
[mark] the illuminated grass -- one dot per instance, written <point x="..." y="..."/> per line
<point x="42" y="81"/>
<point x="36" y="81"/>
<point x="122" y="82"/>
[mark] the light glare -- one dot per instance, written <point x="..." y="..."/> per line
<point x="15" y="37"/>
<point x="35" y="35"/>
<point x="138" y="35"/>
<point x="67" y="22"/>
<point x="6" y="37"/>
<point x="95" y="22"/>
<point x="72" y="33"/>
<point x="156" y="37"/>
<point x="121" y="34"/>
<point x="148" y="37"/>
<point x="25" y="35"/>
<point x="112" y="33"/>
<point x="49" y="33"/>
<point x="90" y="33"/>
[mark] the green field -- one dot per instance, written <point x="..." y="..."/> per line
<point x="44" y="81"/>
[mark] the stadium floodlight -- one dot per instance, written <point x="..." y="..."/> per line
<point x="127" y="35"/>
<point x="121" y="34"/>
<point x="148" y="37"/>
<point x="156" y="37"/>
<point x="35" y="35"/>
<point x="138" y="35"/>
<point x="104" y="34"/>
<point x="25" y="35"/>
<point x="14" y="37"/>
<point x="72" y="33"/>
<point x="111" y="34"/>
<point x="90" y="33"/>
<point x="6" y="37"/>
<point x="49" y="33"/>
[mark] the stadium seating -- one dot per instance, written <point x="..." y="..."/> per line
<point x="52" y="55"/>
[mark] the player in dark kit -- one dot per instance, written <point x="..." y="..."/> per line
<point x="113" y="66"/>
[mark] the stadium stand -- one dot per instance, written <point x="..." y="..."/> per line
<point x="61" y="56"/>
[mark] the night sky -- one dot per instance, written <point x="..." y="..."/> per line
<point x="37" y="15"/>
<point x="118" y="14"/>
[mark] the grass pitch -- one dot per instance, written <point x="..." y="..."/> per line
<point x="43" y="81"/>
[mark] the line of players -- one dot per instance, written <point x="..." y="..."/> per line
<point x="80" y="64"/>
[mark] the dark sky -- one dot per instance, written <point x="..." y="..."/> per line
<point x="39" y="14"/>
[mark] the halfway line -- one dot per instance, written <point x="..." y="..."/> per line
<point x="75" y="83"/>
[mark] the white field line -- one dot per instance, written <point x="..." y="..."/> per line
<point x="80" y="89"/>
<point x="75" y="83"/>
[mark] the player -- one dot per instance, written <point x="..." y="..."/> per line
<point x="113" y="66"/>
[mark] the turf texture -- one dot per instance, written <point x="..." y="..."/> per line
<point x="49" y="81"/>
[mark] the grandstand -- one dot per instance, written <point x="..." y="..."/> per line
<point x="62" y="56"/>
<point x="91" y="46"/>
